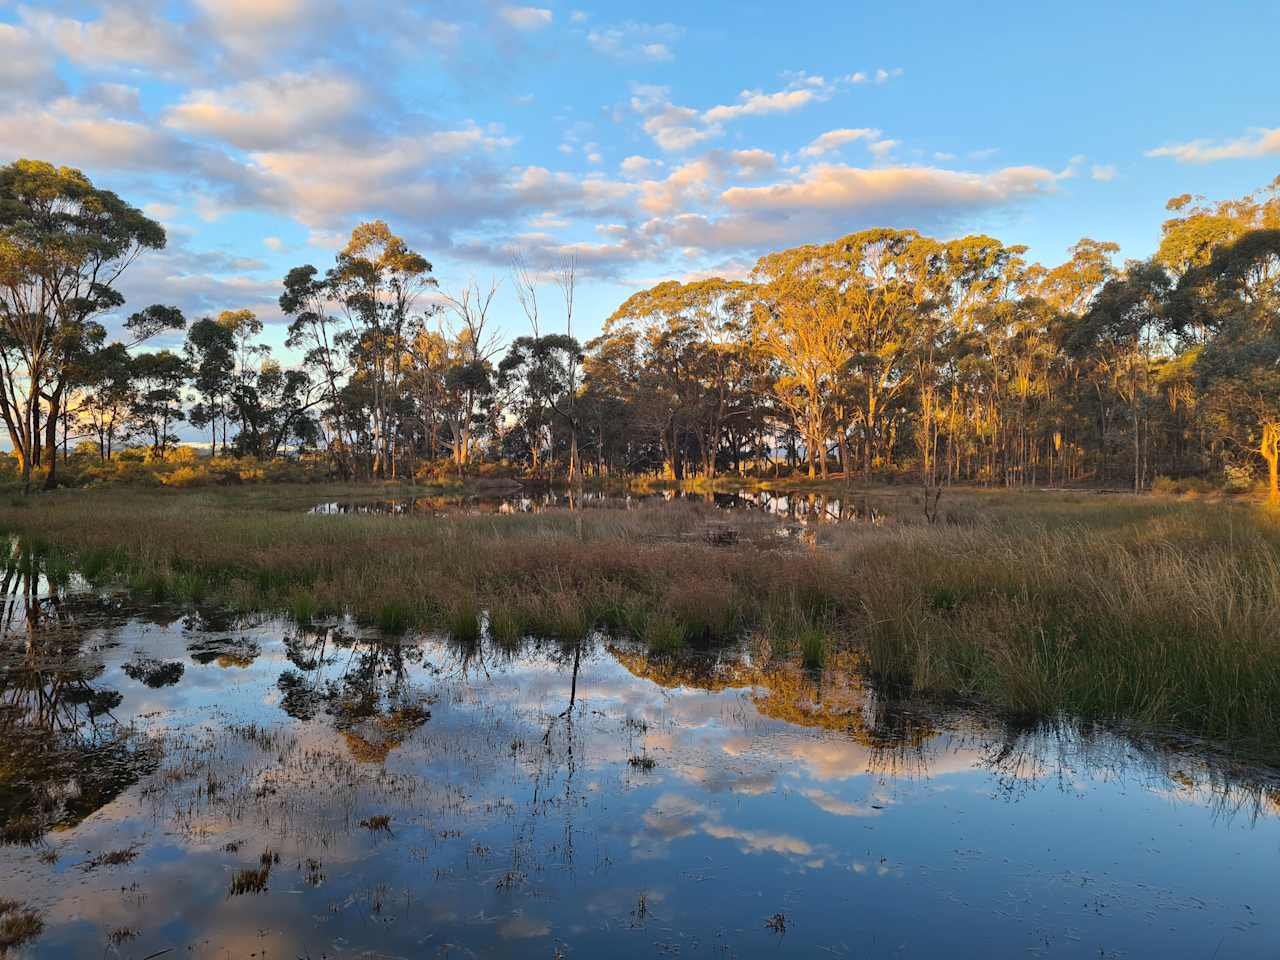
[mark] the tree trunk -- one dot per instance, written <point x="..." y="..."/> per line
<point x="1270" y="450"/>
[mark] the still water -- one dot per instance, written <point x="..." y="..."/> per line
<point x="803" y="508"/>
<point x="188" y="784"/>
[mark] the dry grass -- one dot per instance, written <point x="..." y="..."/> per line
<point x="1156" y="611"/>
<point x="18" y="925"/>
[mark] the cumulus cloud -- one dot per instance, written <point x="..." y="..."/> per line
<point x="675" y="127"/>
<point x="121" y="34"/>
<point x="253" y="27"/>
<point x="757" y="103"/>
<point x="827" y="201"/>
<point x="27" y="69"/>
<point x="835" y="139"/>
<point x="1103" y="172"/>
<point x="1258" y="142"/>
<point x="636" y="167"/>
<point x="882" y="148"/>
<point x="837" y="187"/>
<point x="269" y="111"/>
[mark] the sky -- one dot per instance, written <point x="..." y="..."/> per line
<point x="646" y="142"/>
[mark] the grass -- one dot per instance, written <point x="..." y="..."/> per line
<point x="1156" y="611"/>
<point x="18" y="925"/>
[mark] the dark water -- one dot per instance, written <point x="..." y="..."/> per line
<point x="802" y="508"/>
<point x="418" y="798"/>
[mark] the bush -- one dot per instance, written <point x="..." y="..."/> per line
<point x="186" y="477"/>
<point x="1237" y="478"/>
<point x="1184" y="486"/>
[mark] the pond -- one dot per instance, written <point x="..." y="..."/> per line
<point x="797" y="508"/>
<point x="182" y="783"/>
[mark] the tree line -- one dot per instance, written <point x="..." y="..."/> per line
<point x="885" y="352"/>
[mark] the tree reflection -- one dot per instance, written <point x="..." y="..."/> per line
<point x="362" y="684"/>
<point x="63" y="755"/>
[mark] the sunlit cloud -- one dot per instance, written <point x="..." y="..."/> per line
<point x="835" y="139"/>
<point x="1257" y="143"/>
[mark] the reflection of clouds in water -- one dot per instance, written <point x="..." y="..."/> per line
<point x="675" y="816"/>
<point x="520" y="926"/>
<point x="845" y="808"/>
<point x="718" y="780"/>
<point x="759" y="841"/>
<point x="748" y="778"/>
<point x="672" y="816"/>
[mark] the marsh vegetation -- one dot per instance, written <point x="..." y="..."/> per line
<point x="1156" y="611"/>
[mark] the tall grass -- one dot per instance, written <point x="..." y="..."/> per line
<point x="1153" y="611"/>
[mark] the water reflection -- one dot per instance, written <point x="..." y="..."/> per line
<point x="791" y="508"/>
<point x="320" y="790"/>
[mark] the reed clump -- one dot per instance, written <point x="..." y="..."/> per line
<point x="1159" y="611"/>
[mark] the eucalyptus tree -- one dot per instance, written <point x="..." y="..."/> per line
<point x="109" y="393"/>
<point x="358" y="322"/>
<point x="63" y="245"/>
<point x="210" y="351"/>
<point x="472" y="345"/>
<point x="156" y="405"/>
<point x="1235" y="295"/>
<point x="1122" y="331"/>
<point x="842" y="318"/>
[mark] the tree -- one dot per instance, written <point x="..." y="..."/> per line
<point x="357" y="323"/>
<point x="157" y="404"/>
<point x="843" y="318"/>
<point x="110" y="396"/>
<point x="63" y="244"/>
<point x="1235" y="295"/>
<point x="1122" y="329"/>
<point x="469" y="374"/>
<point x="211" y="355"/>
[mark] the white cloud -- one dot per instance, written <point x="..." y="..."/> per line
<point x="256" y="26"/>
<point x="754" y="163"/>
<point x="672" y="127"/>
<point x="859" y="189"/>
<point x="756" y="103"/>
<point x="1103" y="172"/>
<point x="1259" y="142"/>
<point x="675" y="127"/>
<point x="634" y="41"/>
<point x="636" y="167"/>
<point x="270" y="111"/>
<point x="119" y="98"/>
<point x="882" y="148"/>
<point x="27" y="69"/>
<point x="834" y="139"/>
<point x="525" y="18"/>
<point x="122" y="34"/>
<point x="830" y="200"/>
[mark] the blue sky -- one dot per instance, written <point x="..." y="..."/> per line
<point x="669" y="140"/>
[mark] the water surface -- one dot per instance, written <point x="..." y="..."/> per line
<point x="217" y="787"/>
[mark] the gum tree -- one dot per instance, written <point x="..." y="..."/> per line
<point x="63" y="245"/>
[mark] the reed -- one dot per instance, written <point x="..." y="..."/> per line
<point x="1157" y="611"/>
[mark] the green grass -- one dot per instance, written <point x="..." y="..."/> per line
<point x="1155" y="611"/>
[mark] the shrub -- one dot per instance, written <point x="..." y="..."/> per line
<point x="185" y="477"/>
<point x="1237" y="478"/>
